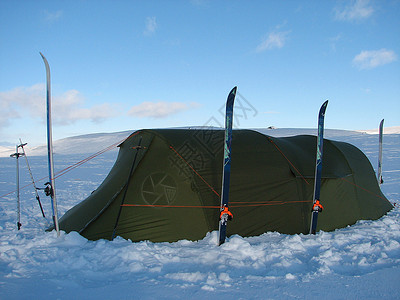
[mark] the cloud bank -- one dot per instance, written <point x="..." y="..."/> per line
<point x="52" y="16"/>
<point x="354" y="11"/>
<point x="374" y="58"/>
<point x="274" y="40"/>
<point x="159" y="109"/>
<point x="67" y="108"/>
<point x="151" y="26"/>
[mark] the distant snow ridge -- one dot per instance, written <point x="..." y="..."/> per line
<point x="92" y="143"/>
<point x="386" y="130"/>
<point x="89" y="143"/>
<point x="6" y="151"/>
<point x="285" y="132"/>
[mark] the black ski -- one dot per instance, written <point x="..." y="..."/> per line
<point x="317" y="207"/>
<point x="225" y="214"/>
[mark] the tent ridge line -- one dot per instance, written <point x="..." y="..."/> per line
<point x="360" y="187"/>
<point x="276" y="146"/>
<point x="103" y="209"/>
<point x="355" y="184"/>
<point x="201" y="177"/>
<point x="115" y="194"/>
<point x="137" y="148"/>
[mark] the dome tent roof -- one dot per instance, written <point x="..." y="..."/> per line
<point x="173" y="190"/>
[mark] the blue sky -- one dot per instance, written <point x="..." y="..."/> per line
<point x="126" y="65"/>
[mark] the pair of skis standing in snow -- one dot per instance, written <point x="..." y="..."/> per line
<point x="317" y="207"/>
<point x="225" y="214"/>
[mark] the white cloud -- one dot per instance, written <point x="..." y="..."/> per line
<point x="159" y="109"/>
<point x="373" y="59"/>
<point x="151" y="26"/>
<point x="356" y="10"/>
<point x="20" y="101"/>
<point x="53" y="16"/>
<point x="275" y="39"/>
<point x="67" y="108"/>
<point x="333" y="41"/>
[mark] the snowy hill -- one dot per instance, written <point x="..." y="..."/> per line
<point x="284" y="132"/>
<point x="358" y="262"/>
<point x="6" y="151"/>
<point x="91" y="143"/>
<point x="387" y="130"/>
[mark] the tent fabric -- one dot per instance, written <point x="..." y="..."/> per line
<point x="173" y="192"/>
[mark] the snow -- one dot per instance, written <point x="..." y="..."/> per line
<point x="6" y="151"/>
<point x="358" y="262"/>
<point x="90" y="143"/>
<point x="386" y="130"/>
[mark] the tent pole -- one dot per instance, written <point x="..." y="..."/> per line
<point x="380" y="179"/>
<point x="138" y="147"/>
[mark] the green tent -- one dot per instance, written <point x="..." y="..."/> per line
<point x="166" y="184"/>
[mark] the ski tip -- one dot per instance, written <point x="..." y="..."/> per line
<point x="232" y="96"/>
<point x="43" y="57"/>
<point x="323" y="107"/>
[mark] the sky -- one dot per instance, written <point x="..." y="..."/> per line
<point x="126" y="65"/>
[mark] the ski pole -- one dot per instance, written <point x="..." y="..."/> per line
<point x="17" y="155"/>
<point x="33" y="181"/>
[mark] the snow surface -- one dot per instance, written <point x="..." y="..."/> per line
<point x="358" y="262"/>
<point x="386" y="130"/>
<point x="91" y="143"/>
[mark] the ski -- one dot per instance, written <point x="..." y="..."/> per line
<point x="50" y="189"/>
<point x="17" y="155"/>
<point x="225" y="214"/>
<point x="380" y="179"/>
<point x="33" y="181"/>
<point x="317" y="207"/>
